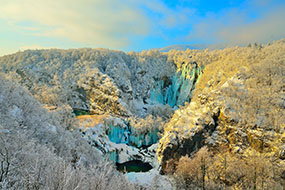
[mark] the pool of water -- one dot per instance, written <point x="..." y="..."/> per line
<point x="134" y="166"/>
<point x="79" y="112"/>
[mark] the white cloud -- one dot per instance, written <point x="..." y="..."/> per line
<point x="116" y="23"/>
<point x="268" y="28"/>
<point x="106" y="23"/>
<point x="233" y="27"/>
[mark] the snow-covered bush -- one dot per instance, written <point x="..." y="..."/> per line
<point x="36" y="152"/>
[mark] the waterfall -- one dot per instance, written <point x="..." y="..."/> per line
<point x="179" y="89"/>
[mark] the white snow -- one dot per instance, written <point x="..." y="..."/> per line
<point x="150" y="179"/>
<point x="16" y="112"/>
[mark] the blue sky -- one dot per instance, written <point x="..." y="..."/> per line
<point x="137" y="24"/>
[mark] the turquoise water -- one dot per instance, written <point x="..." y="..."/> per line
<point x="177" y="90"/>
<point x="129" y="136"/>
<point x="134" y="166"/>
<point x="79" y="112"/>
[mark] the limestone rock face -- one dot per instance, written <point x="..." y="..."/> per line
<point x="184" y="135"/>
<point x="235" y="105"/>
<point x="213" y="121"/>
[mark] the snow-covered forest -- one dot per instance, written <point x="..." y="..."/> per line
<point x="204" y="119"/>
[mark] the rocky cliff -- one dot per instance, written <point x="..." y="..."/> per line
<point x="237" y="104"/>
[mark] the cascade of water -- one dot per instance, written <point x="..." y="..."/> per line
<point x="118" y="135"/>
<point x="145" y="139"/>
<point x="180" y="89"/>
<point x="129" y="135"/>
<point x="174" y="92"/>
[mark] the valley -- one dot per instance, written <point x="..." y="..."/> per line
<point x="184" y="118"/>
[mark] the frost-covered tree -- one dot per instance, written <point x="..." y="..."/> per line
<point x="37" y="152"/>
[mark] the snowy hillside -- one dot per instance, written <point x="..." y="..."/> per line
<point x="193" y="115"/>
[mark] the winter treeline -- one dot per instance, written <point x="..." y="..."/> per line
<point x="37" y="152"/>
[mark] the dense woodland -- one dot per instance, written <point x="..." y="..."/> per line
<point x="38" y="153"/>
